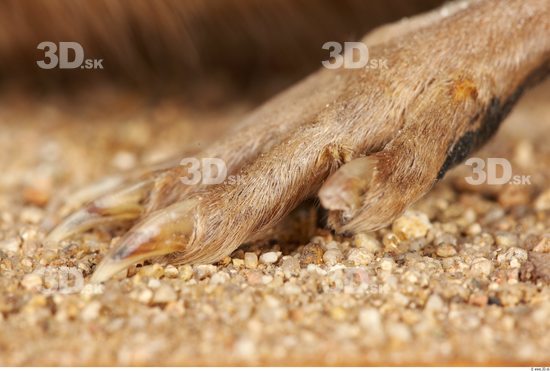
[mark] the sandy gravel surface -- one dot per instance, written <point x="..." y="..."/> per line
<point x="462" y="278"/>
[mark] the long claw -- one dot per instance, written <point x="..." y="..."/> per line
<point x="163" y="232"/>
<point x="126" y="204"/>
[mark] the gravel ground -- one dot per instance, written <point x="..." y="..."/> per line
<point x="462" y="278"/>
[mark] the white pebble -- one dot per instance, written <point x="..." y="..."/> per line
<point x="205" y="270"/>
<point x="165" y="294"/>
<point x="482" y="267"/>
<point x="434" y="304"/>
<point x="367" y="242"/>
<point x="91" y="311"/>
<point x="386" y="264"/>
<point x="10" y="246"/>
<point x="31" y="281"/>
<point x="270" y="257"/>
<point x="219" y="278"/>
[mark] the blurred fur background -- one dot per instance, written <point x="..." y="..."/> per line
<point x="249" y="47"/>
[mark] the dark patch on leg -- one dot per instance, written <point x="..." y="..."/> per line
<point x="490" y="122"/>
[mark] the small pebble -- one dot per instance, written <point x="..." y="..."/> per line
<point x="412" y="224"/>
<point x="171" y="272"/>
<point x="290" y="266"/>
<point x="31" y="215"/>
<point x="445" y="250"/>
<point x="434" y="304"/>
<point x="332" y="257"/>
<point x="543" y="246"/>
<point x="124" y="160"/>
<point x="91" y="311"/>
<point x="270" y="257"/>
<point x="32" y="281"/>
<point x="360" y="256"/>
<point x="237" y="263"/>
<point x="205" y="270"/>
<point x="219" y="278"/>
<point x="542" y="203"/>
<point x="154" y="271"/>
<point x="10" y="246"/>
<point x="250" y="260"/>
<point x="367" y="242"/>
<point x="482" y="267"/>
<point x="185" y="272"/>
<point x="311" y="254"/>
<point x="165" y="294"/>
<point x="386" y="264"/>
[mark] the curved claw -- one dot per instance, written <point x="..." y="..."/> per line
<point x="163" y="232"/>
<point x="126" y="204"/>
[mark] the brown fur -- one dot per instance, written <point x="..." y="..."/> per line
<point x="453" y="75"/>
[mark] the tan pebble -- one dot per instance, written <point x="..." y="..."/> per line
<point x="270" y="257"/>
<point x="175" y="307"/>
<point x="91" y="289"/>
<point x="124" y="160"/>
<point x="205" y="270"/>
<point x="386" y="264"/>
<point x="311" y="254"/>
<point x="391" y="241"/>
<point x="185" y="272"/>
<point x="332" y="245"/>
<point x="338" y="313"/>
<point x="145" y="296"/>
<point x="371" y="320"/>
<point x="219" y="278"/>
<point x="153" y="283"/>
<point x="332" y="257"/>
<point x="267" y="279"/>
<point x="360" y="256"/>
<point x="32" y="215"/>
<point x="506" y="239"/>
<point x="171" y="272"/>
<point x="543" y="246"/>
<point x="91" y="311"/>
<point x="38" y="194"/>
<point x="481" y="267"/>
<point x="542" y="203"/>
<point x="10" y="246"/>
<point x="412" y="224"/>
<point x="31" y="281"/>
<point x="480" y="300"/>
<point x="434" y="304"/>
<point x="290" y="266"/>
<point x="254" y="277"/>
<point x="399" y="333"/>
<point x="367" y="242"/>
<point x="237" y="263"/>
<point x="473" y="230"/>
<point x="165" y="294"/>
<point x="154" y="271"/>
<point x="250" y="260"/>
<point x="445" y="250"/>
